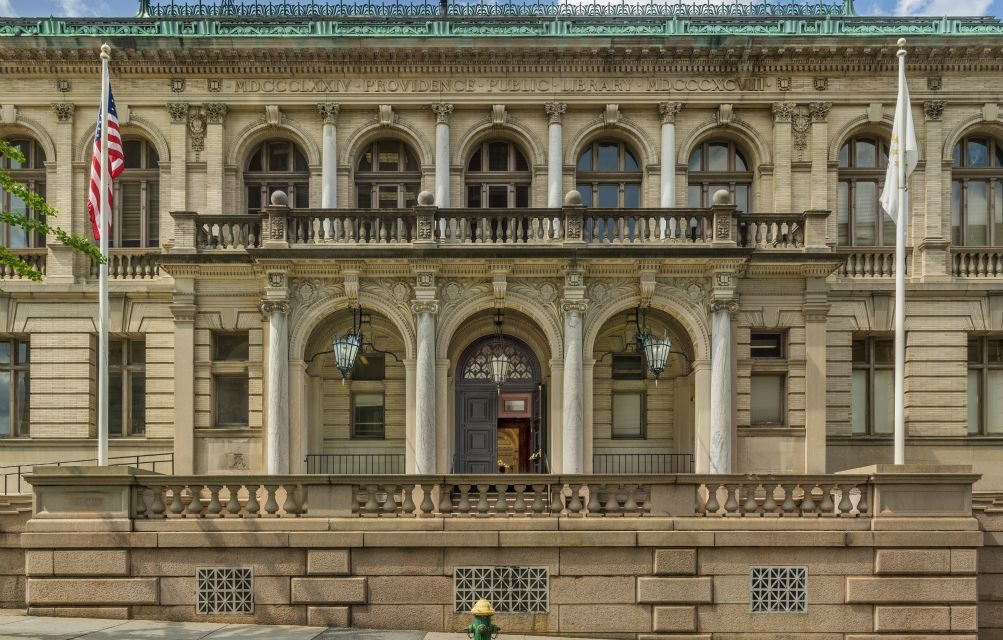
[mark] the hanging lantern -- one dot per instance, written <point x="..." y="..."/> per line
<point x="656" y="352"/>
<point x="346" y="350"/>
<point x="500" y="368"/>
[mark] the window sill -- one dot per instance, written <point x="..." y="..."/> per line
<point x="212" y="432"/>
<point x="779" y="430"/>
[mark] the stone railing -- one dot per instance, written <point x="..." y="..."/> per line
<point x="34" y="257"/>
<point x="869" y="262"/>
<point x="977" y="262"/>
<point x="279" y="227"/>
<point x="131" y="264"/>
<point x="787" y="496"/>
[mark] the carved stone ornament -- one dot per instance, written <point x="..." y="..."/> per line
<point x="574" y="279"/>
<point x="669" y="110"/>
<point x="273" y="115"/>
<point x="178" y="112"/>
<point x="725" y="113"/>
<point x="177" y="85"/>
<point x="819" y="111"/>
<point x="800" y="125"/>
<point x="724" y="279"/>
<point x="577" y="307"/>
<point x="722" y="228"/>
<point x="498" y="115"/>
<point x="419" y="307"/>
<point x="611" y="114"/>
<point x="783" y="111"/>
<point x="784" y="84"/>
<point x="277" y="228"/>
<point x="196" y="127"/>
<point x="555" y="110"/>
<point x="214" y="85"/>
<point x="215" y="112"/>
<point x="329" y="112"/>
<point x="442" y="111"/>
<point x="934" y="84"/>
<point x="63" y="85"/>
<point x="934" y="109"/>
<point x="729" y="306"/>
<point x="276" y="279"/>
<point x="425" y="279"/>
<point x="385" y="115"/>
<point x="64" y="111"/>
<point x="425" y="227"/>
<point x="269" y="307"/>
<point x="574" y="228"/>
<point x="821" y="84"/>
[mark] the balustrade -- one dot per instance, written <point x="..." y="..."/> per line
<point x="770" y="231"/>
<point x="260" y="497"/>
<point x="34" y="257"/>
<point x="486" y="226"/>
<point x="792" y="496"/>
<point x="228" y="232"/>
<point x="360" y="227"/>
<point x="983" y="262"/>
<point x="131" y="264"/>
<point x="870" y="262"/>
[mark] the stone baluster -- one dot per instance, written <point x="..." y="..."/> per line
<point x="271" y="503"/>
<point x="289" y="505"/>
<point x="195" y="507"/>
<point x="630" y="503"/>
<point x="519" y="506"/>
<point x="750" y="505"/>
<point x="845" y="504"/>
<point x="770" y="503"/>
<point x="713" y="506"/>
<point x="157" y="507"/>
<point x="464" y="504"/>
<point x="594" y="506"/>
<point x="731" y="502"/>
<point x="214" y="506"/>
<point x="826" y="507"/>
<point x="427" y="505"/>
<point x="557" y="499"/>
<point x="407" y="499"/>
<point x="390" y="501"/>
<point x="574" y="501"/>
<point x="177" y="507"/>
<point x="788" y="506"/>
<point x="862" y="505"/>
<point x="807" y="499"/>
<point x="482" y="500"/>
<point x="233" y="504"/>
<point x="539" y="506"/>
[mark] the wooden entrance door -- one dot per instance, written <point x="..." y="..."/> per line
<point x="477" y="437"/>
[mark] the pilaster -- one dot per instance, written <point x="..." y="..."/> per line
<point x="931" y="253"/>
<point x="178" y="139"/>
<point x="215" y="114"/>
<point x="819" y="112"/>
<point x="816" y="312"/>
<point x="62" y="264"/>
<point x="184" y="311"/>
<point x="783" y="113"/>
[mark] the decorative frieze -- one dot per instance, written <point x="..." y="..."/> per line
<point x="783" y="111"/>
<point x="63" y="110"/>
<point x="196" y="129"/>
<point x="934" y="109"/>
<point x="329" y="112"/>
<point x="800" y="126"/>
<point x="555" y="111"/>
<point x="668" y="111"/>
<point x="442" y="111"/>
<point x="178" y="112"/>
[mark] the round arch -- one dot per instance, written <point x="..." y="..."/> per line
<point x="315" y="314"/>
<point x="137" y="127"/>
<point x="623" y="131"/>
<point x="455" y="317"/>
<point x="689" y="317"/>
<point x="737" y="130"/>
<point x="401" y="130"/>
<point x="521" y="350"/>
<point x="30" y="128"/>
<point x="861" y="125"/>
<point x="260" y="131"/>
<point x="972" y="125"/>
<point x="513" y="129"/>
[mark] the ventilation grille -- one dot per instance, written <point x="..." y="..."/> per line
<point x="508" y="589"/>
<point x="779" y="589"/>
<point x="224" y="591"/>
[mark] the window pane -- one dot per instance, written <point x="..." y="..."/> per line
<point x="231" y="400"/>
<point x="520" y="161"/>
<point x="632" y="196"/>
<point x="5" y="403"/>
<point x="884" y="351"/>
<point x="766" y="345"/>
<point x="740" y="163"/>
<point x="976" y="229"/>
<point x="366" y="161"/>
<point x="475" y="161"/>
<point x="230" y="346"/>
<point x="498" y="196"/>
<point x="585" y="160"/>
<point x="410" y="161"/>
<point x="997" y="222"/>
<point x="974" y="401"/>
<point x="115" y="403"/>
<point x="498" y="156"/>
<point x="522" y="196"/>
<point x="843" y="213"/>
<point x="152" y="214"/>
<point x="23" y="399"/>
<point x="696" y="159"/>
<point x="5" y="352"/>
<point x="410" y="195"/>
<point x="887" y="227"/>
<point x="956" y="212"/>
<point x="995" y="351"/>
<point x="865" y="214"/>
<point x="742" y="198"/>
<point x="627" y="418"/>
<point x="717" y="157"/>
<point x="865" y="154"/>
<point x="300" y="161"/>
<point x="994" y="401"/>
<point x="975" y="351"/>
<point x="137" y="352"/>
<point x="254" y="163"/>
<point x="301" y="196"/>
<point x="138" y="417"/>
<point x="957" y="155"/>
<point x="586" y="191"/>
<point x="858" y="401"/>
<point x="17" y="237"/>
<point x="253" y="197"/>
<point x="629" y="161"/>
<point x="609" y="195"/>
<point x="884" y="404"/>
<point x="694" y="196"/>
<point x="474" y="196"/>
<point x="387" y="197"/>
<point x="133" y="151"/>
<point x="368" y="418"/>
<point x="115" y="352"/>
<point x="364" y="196"/>
<point x="608" y="156"/>
<point x="278" y="156"/>
<point x="978" y="152"/>
<point x="152" y="157"/>
<point x="23" y="352"/>
<point x="767" y="400"/>
<point x="844" y="155"/>
<point x="370" y="366"/>
<point x="389" y="155"/>
<point x="131" y="217"/>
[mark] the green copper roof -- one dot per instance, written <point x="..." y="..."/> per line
<point x="443" y="19"/>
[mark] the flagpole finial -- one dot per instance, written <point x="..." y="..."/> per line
<point x="106" y="51"/>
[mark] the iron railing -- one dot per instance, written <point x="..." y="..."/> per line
<point x="617" y="463"/>
<point x="355" y="463"/>
<point x="13" y="475"/>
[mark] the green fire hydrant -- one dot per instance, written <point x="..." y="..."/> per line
<point x="481" y="628"/>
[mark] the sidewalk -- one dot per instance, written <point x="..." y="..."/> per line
<point x="42" y="628"/>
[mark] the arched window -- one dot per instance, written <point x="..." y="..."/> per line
<point x="977" y="192"/>
<point x="716" y="165"/>
<point x="498" y="176"/>
<point x="609" y="176"/>
<point x="277" y="165"/>
<point x="860" y="219"/>
<point x="387" y="176"/>
<point x="30" y="173"/>
<point x="137" y="197"/>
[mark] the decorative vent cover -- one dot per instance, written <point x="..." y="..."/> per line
<point x="508" y="589"/>
<point x="224" y="591"/>
<point x="779" y="589"/>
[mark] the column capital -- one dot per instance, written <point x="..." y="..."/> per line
<point x="183" y="312"/>
<point x="819" y="111"/>
<point x="329" y="112"/>
<point x="816" y="312"/>
<point x="63" y="110"/>
<point x="570" y="306"/>
<point x="419" y="307"/>
<point x="668" y="111"/>
<point x="728" y="305"/>
<point x="269" y="307"/>
<point x="555" y="110"/>
<point x="215" y="112"/>
<point x="178" y="112"/>
<point x="934" y="109"/>
<point x="442" y="111"/>
<point x="783" y="111"/>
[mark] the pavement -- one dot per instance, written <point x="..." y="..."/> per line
<point x="42" y="628"/>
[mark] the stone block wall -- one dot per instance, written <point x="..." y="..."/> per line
<point x="990" y="570"/>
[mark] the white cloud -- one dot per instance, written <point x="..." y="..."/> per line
<point x="6" y="9"/>
<point x="70" y="8"/>
<point x="942" y="7"/>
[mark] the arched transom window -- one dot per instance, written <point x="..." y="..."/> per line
<point x="716" y="165"/>
<point x="137" y="197"/>
<point x="387" y="176"/>
<point x="277" y="165"/>
<point x="498" y="176"/>
<point x="609" y="176"/>
<point x="30" y="173"/>
<point x="860" y="219"/>
<point x="478" y="365"/>
<point x="977" y="192"/>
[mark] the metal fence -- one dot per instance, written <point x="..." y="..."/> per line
<point x="13" y="475"/>
<point x="616" y="463"/>
<point x="355" y="463"/>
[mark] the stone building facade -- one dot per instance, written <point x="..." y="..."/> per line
<point x="776" y="294"/>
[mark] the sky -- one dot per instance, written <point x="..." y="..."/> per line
<point x="107" y="8"/>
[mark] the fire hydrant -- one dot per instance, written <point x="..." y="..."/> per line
<point x="481" y="628"/>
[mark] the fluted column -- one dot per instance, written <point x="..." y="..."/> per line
<point x="277" y="434"/>
<point x="668" y="111"/>
<point x="555" y="153"/>
<point x="329" y="155"/>
<point x="574" y="395"/>
<point x="721" y="385"/>
<point x="424" y="411"/>
<point x="442" y="111"/>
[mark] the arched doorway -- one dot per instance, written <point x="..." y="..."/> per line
<point x="499" y="428"/>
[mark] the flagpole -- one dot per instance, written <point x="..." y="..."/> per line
<point x="103" y="271"/>
<point x="901" y="223"/>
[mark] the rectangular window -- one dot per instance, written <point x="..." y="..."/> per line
<point x="230" y="347"/>
<point x="230" y="381"/>
<point x="231" y="395"/>
<point x="768" y="393"/>
<point x="497" y="196"/>
<point x="985" y="385"/>
<point x="126" y="387"/>
<point x="368" y="416"/>
<point x="628" y="366"/>
<point x="15" y="387"/>
<point x="766" y="344"/>
<point x="628" y="414"/>
<point x="872" y="401"/>
<point x="370" y="366"/>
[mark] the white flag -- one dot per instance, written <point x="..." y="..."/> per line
<point x="903" y="109"/>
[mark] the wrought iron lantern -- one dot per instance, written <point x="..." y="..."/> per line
<point x="346" y="348"/>
<point x="501" y="367"/>
<point x="656" y="350"/>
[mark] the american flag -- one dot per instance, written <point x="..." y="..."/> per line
<point x="116" y="162"/>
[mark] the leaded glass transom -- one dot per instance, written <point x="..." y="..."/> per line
<point x="478" y="364"/>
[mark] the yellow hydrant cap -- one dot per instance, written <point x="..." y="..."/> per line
<point x="482" y="608"/>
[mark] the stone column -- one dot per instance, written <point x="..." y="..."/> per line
<point x="701" y="415"/>
<point x="783" y="113"/>
<point x="721" y="385"/>
<point x="277" y="434"/>
<point x="555" y="154"/>
<point x="668" y="112"/>
<point x="815" y="310"/>
<point x="214" y="114"/>
<point x="184" y="380"/>
<point x="409" y="416"/>
<point x="574" y="394"/>
<point x="424" y="405"/>
<point x="329" y="155"/>
<point x="442" y="111"/>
